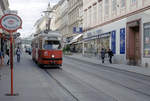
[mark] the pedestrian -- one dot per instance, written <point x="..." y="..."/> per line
<point x="18" y="53"/>
<point x="110" y="54"/>
<point x="7" y="52"/>
<point x="1" y="58"/>
<point x="103" y="55"/>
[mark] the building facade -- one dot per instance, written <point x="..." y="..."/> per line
<point x="61" y="18"/>
<point x="4" y="5"/>
<point x="121" y="25"/>
<point x="45" y="22"/>
<point x="75" y="18"/>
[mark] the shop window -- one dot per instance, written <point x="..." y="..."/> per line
<point x="147" y="40"/>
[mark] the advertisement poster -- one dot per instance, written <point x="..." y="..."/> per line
<point x="122" y="41"/>
<point x="113" y="41"/>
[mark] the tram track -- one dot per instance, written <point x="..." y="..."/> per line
<point x="104" y="67"/>
<point x="91" y="89"/>
<point x="109" y="80"/>
<point x="62" y="86"/>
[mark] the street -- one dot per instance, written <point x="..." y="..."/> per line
<point x="75" y="81"/>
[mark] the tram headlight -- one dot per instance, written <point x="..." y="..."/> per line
<point x="53" y="56"/>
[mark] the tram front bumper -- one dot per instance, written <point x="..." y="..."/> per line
<point x="51" y="61"/>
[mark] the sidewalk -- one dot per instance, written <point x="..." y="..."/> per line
<point x="135" y="69"/>
<point x="30" y="82"/>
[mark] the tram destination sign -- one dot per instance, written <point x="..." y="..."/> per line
<point x="11" y="22"/>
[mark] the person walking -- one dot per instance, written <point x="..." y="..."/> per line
<point x="103" y="55"/>
<point x="110" y="54"/>
<point x="7" y="52"/>
<point x="1" y="58"/>
<point x="18" y="53"/>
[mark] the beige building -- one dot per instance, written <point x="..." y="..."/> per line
<point x="122" y="25"/>
<point x="75" y="17"/>
<point x="44" y="23"/>
<point x="69" y="15"/>
<point x="61" y="18"/>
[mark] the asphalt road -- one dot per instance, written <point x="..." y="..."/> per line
<point x="89" y="82"/>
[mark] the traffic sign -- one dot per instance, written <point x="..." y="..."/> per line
<point x="11" y="22"/>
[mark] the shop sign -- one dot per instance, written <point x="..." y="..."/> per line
<point x="99" y="31"/>
<point x="104" y="35"/>
<point x="122" y="41"/>
<point x="77" y="30"/>
<point x="113" y="41"/>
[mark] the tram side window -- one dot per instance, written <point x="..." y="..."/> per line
<point x="50" y="45"/>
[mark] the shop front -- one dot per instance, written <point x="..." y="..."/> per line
<point x="94" y="44"/>
<point x="76" y="44"/>
<point x="110" y="36"/>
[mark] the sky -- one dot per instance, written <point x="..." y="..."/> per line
<point x="29" y="11"/>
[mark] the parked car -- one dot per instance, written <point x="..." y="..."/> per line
<point x="28" y="50"/>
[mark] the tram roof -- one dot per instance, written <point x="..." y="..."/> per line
<point x="49" y="34"/>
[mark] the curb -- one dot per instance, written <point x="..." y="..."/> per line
<point x="106" y="66"/>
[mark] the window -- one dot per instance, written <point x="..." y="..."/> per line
<point x="106" y="7"/>
<point x="123" y="3"/>
<point x="85" y="18"/>
<point x="133" y="1"/>
<point x="94" y="14"/>
<point x="147" y="40"/>
<point x="114" y="5"/>
<point x="52" y="45"/>
<point x="90" y="17"/>
<point x="146" y="2"/>
<point x="100" y="12"/>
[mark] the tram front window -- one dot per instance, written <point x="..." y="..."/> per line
<point x="52" y="45"/>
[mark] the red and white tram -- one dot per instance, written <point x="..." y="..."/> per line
<point x="46" y="49"/>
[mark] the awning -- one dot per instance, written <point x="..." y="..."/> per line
<point x="75" y="39"/>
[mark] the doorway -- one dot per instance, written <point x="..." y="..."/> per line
<point x="133" y="43"/>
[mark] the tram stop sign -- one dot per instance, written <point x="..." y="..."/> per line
<point x="11" y="22"/>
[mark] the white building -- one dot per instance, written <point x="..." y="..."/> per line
<point x="122" y="25"/>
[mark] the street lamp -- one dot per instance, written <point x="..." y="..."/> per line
<point x="47" y="14"/>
